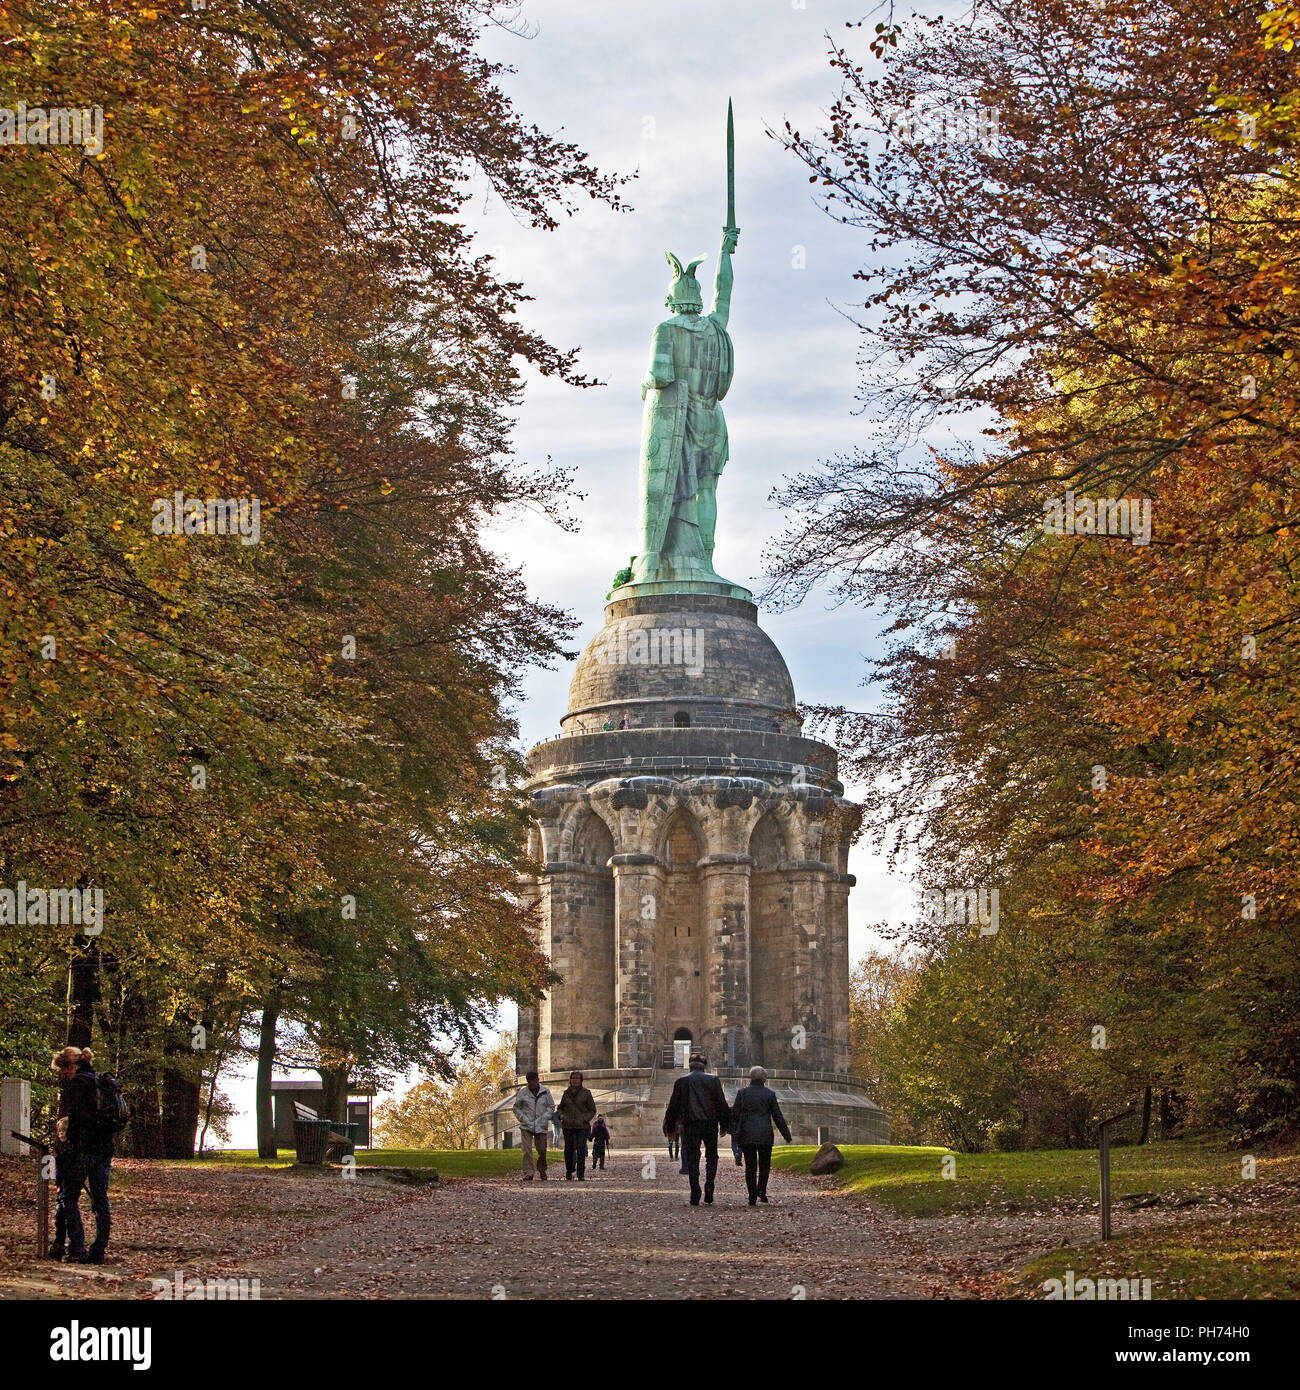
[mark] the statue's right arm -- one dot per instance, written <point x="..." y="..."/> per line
<point x="721" y="307"/>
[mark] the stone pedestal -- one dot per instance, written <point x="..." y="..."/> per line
<point x="696" y="884"/>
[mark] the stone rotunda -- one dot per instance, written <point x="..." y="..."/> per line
<point x="695" y="890"/>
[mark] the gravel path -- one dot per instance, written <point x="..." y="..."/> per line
<point x="618" y="1235"/>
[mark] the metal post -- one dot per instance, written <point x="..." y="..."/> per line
<point x="1103" y="1131"/>
<point x="42" y="1207"/>
<point x="42" y="1195"/>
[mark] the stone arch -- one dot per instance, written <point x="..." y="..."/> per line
<point x="767" y="844"/>
<point x="681" y="840"/>
<point x="591" y="841"/>
<point x="789" y="811"/>
<point x="772" y="931"/>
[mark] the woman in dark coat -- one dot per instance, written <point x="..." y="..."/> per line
<point x="755" y="1111"/>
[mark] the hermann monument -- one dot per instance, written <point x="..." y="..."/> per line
<point x="694" y="890"/>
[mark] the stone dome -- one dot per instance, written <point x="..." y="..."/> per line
<point x="681" y="660"/>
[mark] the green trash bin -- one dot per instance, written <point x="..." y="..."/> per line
<point x="310" y="1137"/>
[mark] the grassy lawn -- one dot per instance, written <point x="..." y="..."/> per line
<point x="449" y="1163"/>
<point x="909" y="1180"/>
<point x="1242" y="1255"/>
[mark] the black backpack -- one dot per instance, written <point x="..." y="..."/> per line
<point x="111" y="1110"/>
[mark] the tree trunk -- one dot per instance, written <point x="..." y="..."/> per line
<point x="1171" y="1113"/>
<point x="334" y="1093"/>
<point x="212" y="1096"/>
<point x="83" y="993"/>
<point x="1146" y="1116"/>
<point x="180" y="1091"/>
<point x="266" y="1146"/>
<point x="139" y="1063"/>
<point x="143" y="1137"/>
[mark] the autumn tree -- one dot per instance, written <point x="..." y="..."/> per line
<point x="439" y="1111"/>
<point x="260" y="286"/>
<point x="1095" y="721"/>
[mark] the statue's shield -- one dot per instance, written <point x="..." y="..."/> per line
<point x="663" y="432"/>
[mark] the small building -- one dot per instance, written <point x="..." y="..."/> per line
<point x="308" y="1093"/>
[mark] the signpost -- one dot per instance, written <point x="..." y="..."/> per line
<point x="1103" y="1130"/>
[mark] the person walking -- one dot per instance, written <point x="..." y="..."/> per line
<point x="86" y="1159"/>
<point x="674" y="1144"/>
<point x="599" y="1142"/>
<point x="698" y="1107"/>
<point x="755" y="1111"/>
<point x="575" y="1111"/>
<point x="534" y="1108"/>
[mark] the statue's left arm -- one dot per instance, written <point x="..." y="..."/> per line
<point x="661" y="371"/>
<point x="722" y="280"/>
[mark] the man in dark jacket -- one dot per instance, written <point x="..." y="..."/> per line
<point x="752" y="1117"/>
<point x="698" y="1108"/>
<point x="86" y="1158"/>
<point x="575" y="1111"/>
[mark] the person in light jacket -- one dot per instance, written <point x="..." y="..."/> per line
<point x="755" y="1111"/>
<point x="534" y="1108"/>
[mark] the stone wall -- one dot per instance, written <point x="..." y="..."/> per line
<point x="634" y="1102"/>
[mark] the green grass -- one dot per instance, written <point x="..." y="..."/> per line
<point x="1247" y="1254"/>
<point x="450" y="1163"/>
<point x="909" y="1180"/>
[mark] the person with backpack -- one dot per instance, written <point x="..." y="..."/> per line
<point x="91" y="1112"/>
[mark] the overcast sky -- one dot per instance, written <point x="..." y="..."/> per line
<point x="643" y="88"/>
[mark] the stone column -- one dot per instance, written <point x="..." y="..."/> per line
<point x="582" y="951"/>
<point x="546" y="1004"/>
<point x="724" y="911"/>
<point x="807" y="880"/>
<point x="838" y="967"/>
<point x="530" y="1018"/>
<point x="638" y="898"/>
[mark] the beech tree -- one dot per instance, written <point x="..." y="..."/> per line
<point x="260" y="288"/>
<point x="1096" y="719"/>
